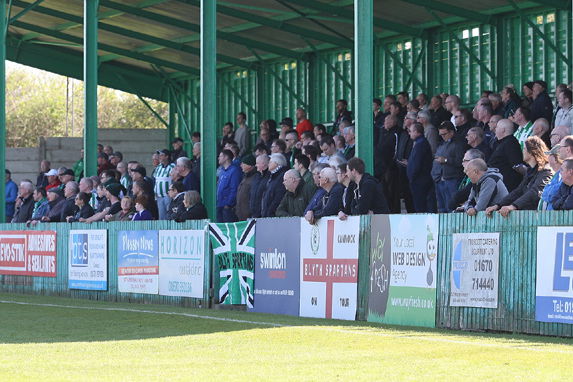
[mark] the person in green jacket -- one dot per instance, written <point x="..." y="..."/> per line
<point x="294" y="201"/>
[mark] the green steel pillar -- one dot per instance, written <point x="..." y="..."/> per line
<point x="363" y="58"/>
<point x="90" y="86"/>
<point x="3" y="28"/>
<point x="207" y="105"/>
<point x="172" y="120"/>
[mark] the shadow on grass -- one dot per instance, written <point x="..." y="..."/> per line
<point x="51" y="324"/>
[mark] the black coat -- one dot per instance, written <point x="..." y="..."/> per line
<point x="274" y="193"/>
<point x="196" y="212"/>
<point x="176" y="208"/>
<point x="368" y="197"/>
<point x="257" y="191"/>
<point x="24" y="211"/>
<point x="526" y="196"/>
<point x="507" y="153"/>
<point x="542" y="107"/>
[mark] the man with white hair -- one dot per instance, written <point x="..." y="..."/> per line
<point x="507" y="154"/>
<point x="184" y="168"/>
<point x="331" y="202"/>
<point x="275" y="188"/>
<point x="541" y="130"/>
<point x="258" y="185"/>
<point x="430" y="131"/>
<point x="294" y="201"/>
<point x="24" y="203"/>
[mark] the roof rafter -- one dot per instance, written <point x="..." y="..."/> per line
<point x="280" y="25"/>
<point x="343" y="12"/>
<point x="140" y="36"/>
<point x="559" y="4"/>
<point x="452" y="10"/>
<point x="196" y="28"/>
<point x="108" y="48"/>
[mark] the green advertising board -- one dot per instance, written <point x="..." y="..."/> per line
<point x="403" y="265"/>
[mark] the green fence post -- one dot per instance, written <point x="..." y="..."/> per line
<point x="3" y="28"/>
<point x="208" y="104"/>
<point x="90" y="86"/>
<point x="363" y="78"/>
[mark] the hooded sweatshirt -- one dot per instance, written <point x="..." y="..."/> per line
<point x="488" y="191"/>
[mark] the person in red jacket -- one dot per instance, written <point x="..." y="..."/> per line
<point x="303" y="124"/>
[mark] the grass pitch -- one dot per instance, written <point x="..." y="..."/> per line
<point x="57" y="339"/>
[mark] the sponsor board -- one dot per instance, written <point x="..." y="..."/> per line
<point x="181" y="263"/>
<point x="87" y="259"/>
<point x="234" y="251"/>
<point x="329" y="268"/>
<point x="554" y="281"/>
<point x="277" y="266"/>
<point x="403" y="257"/>
<point x="28" y="253"/>
<point x="474" y="273"/>
<point x="137" y="262"/>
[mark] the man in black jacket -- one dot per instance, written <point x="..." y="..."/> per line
<point x="176" y="207"/>
<point x="24" y="203"/>
<point x="563" y="200"/>
<point x="447" y="170"/>
<point x="368" y="197"/>
<point x="258" y="185"/>
<point x="542" y="107"/>
<point x="275" y="189"/>
<point x="507" y="154"/>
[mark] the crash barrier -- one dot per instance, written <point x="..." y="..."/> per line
<point x="447" y="271"/>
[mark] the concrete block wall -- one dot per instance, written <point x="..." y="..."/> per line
<point x="134" y="144"/>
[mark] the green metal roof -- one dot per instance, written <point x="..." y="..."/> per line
<point x="143" y="43"/>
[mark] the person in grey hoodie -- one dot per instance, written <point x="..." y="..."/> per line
<point x="487" y="187"/>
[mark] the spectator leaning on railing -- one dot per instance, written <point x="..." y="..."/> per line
<point x="537" y="176"/>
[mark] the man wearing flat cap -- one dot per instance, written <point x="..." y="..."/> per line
<point x="242" y="209"/>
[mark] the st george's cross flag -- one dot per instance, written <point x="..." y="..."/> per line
<point x="234" y="251"/>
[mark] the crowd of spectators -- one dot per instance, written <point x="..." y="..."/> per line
<point x="431" y="154"/>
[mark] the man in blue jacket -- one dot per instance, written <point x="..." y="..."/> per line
<point x="563" y="200"/>
<point x="331" y="202"/>
<point x="229" y="180"/>
<point x="418" y="170"/>
<point x="11" y="190"/>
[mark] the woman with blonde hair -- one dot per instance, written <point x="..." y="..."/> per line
<point x="194" y="209"/>
<point x="538" y="173"/>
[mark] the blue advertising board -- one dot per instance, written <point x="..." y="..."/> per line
<point x="554" y="286"/>
<point x="138" y="262"/>
<point x="277" y="266"/>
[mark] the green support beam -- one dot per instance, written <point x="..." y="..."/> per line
<point x="25" y="10"/>
<point x="208" y="110"/>
<point x="3" y="30"/>
<point x="343" y="12"/>
<point x="539" y="32"/>
<point x="239" y="40"/>
<point x="108" y="48"/>
<point x="90" y="86"/>
<point x="171" y="134"/>
<point x="363" y="58"/>
<point x="282" y="26"/>
<point x="159" y="43"/>
<point x="559" y="4"/>
<point x="452" y="10"/>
